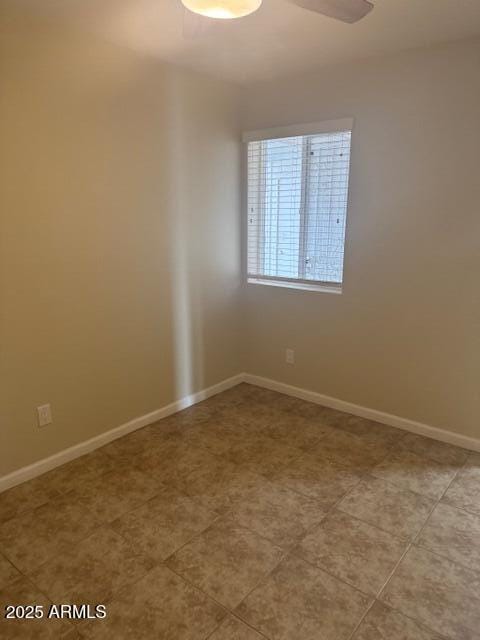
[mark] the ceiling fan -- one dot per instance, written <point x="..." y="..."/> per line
<point x="344" y="10"/>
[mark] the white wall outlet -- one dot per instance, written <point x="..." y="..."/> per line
<point x="44" y="415"/>
<point x="290" y="356"/>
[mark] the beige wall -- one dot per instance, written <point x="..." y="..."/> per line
<point x="405" y="335"/>
<point x="119" y="239"/>
<point x="119" y="254"/>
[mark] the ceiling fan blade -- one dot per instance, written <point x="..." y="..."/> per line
<point x="344" y="10"/>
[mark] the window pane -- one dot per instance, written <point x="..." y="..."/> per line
<point x="283" y="177"/>
<point x="297" y="199"/>
<point x="326" y="205"/>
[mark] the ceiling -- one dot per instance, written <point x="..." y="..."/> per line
<point x="279" y="39"/>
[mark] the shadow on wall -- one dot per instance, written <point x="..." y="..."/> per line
<point x="187" y="325"/>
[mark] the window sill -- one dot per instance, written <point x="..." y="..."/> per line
<point x="320" y="287"/>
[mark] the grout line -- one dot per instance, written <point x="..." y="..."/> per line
<point x="21" y="574"/>
<point x="435" y="553"/>
<point x="233" y="615"/>
<point x="367" y="476"/>
<point x="357" y="626"/>
<point x="414" y="539"/>
<point x="409" y="546"/>
<point x="114" y="595"/>
<point x="437" y="635"/>
<point x="261" y="581"/>
<point x="402" y="488"/>
<point x="332" y="575"/>
<point x="345" y="407"/>
<point x="260" y="633"/>
<point x="436" y="504"/>
<point x="443" y="557"/>
<point x="454" y="506"/>
<point x="229" y="611"/>
<point x="197" y="588"/>
<point x="195" y="535"/>
<point x="393" y="571"/>
<point x="219" y="517"/>
<point x="291" y="552"/>
<point x="100" y="525"/>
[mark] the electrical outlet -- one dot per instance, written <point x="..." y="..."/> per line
<point x="44" y="415"/>
<point x="290" y="356"/>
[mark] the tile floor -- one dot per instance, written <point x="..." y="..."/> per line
<point x="249" y="516"/>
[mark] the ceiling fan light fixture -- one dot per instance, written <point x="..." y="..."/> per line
<point x="222" y="9"/>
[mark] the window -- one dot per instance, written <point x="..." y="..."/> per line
<point x="297" y="205"/>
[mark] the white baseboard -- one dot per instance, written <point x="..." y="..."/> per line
<point x="57" y="459"/>
<point x="42" y="466"/>
<point x="364" y="412"/>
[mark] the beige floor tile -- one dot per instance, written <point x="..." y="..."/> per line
<point x="24" y="497"/>
<point x="236" y="396"/>
<point x="111" y="495"/>
<point x="309" y="410"/>
<point x="233" y="629"/>
<point x="264" y="454"/>
<point x="163" y="524"/>
<point x="438" y="451"/>
<point x="362" y="427"/>
<point x="279" y="514"/>
<point x="277" y="401"/>
<point x="387" y="507"/>
<point x="415" y="473"/>
<point x="354" y="452"/>
<point x="226" y="561"/>
<point x="323" y="480"/>
<point x="175" y="424"/>
<point x="370" y="431"/>
<point x="260" y="394"/>
<point x="67" y="477"/>
<point x="226" y="409"/>
<point x="335" y="418"/>
<point x="196" y="414"/>
<point x="257" y="418"/>
<point x="92" y="571"/>
<point x="220" y="484"/>
<point x="73" y="634"/>
<point x="8" y="573"/>
<point x="353" y="551"/>
<point x="31" y="539"/>
<point x="20" y="593"/>
<point x="268" y="401"/>
<point x="454" y="534"/>
<point x="242" y="416"/>
<point x="124" y="450"/>
<point x="294" y="405"/>
<point x="440" y="594"/>
<point x="298" y="431"/>
<point x="382" y="623"/>
<point x="216" y="436"/>
<point x="235" y="412"/>
<point x="298" y="601"/>
<point x="159" y="606"/>
<point x="464" y="491"/>
<point x="170" y="461"/>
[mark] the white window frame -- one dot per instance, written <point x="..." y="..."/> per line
<point x="312" y="128"/>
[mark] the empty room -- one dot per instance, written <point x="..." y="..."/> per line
<point x="240" y="319"/>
